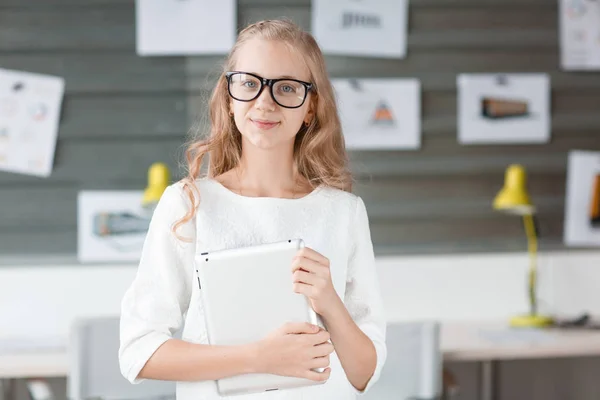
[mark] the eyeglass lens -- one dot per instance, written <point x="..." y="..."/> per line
<point x="287" y="93"/>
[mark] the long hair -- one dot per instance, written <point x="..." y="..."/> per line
<point x="319" y="151"/>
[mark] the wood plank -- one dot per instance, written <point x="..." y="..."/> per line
<point x="443" y="156"/>
<point x="504" y="245"/>
<point x="415" y="4"/>
<point x="98" y="162"/>
<point x="452" y="208"/>
<point x="105" y="73"/>
<point x="443" y="17"/>
<point x="446" y="60"/>
<point x="48" y="206"/>
<point x="399" y="197"/>
<point x="57" y="29"/>
<point x="118" y="116"/>
<point x="479" y="39"/>
<point x="38" y="207"/>
<point x="22" y="243"/>
<point x="395" y="164"/>
<point x="462" y="232"/>
<point x="436" y="70"/>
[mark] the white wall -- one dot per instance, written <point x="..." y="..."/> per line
<point x="42" y="300"/>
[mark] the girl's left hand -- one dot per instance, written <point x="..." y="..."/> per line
<point x="312" y="278"/>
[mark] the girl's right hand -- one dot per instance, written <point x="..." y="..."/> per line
<point x="296" y="349"/>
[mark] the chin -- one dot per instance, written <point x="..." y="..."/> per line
<point x="265" y="140"/>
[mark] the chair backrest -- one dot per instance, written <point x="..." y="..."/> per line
<point x="413" y="369"/>
<point x="94" y="365"/>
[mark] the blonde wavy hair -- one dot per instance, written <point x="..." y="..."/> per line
<point x="319" y="151"/>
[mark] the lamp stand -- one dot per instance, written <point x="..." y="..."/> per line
<point x="533" y="319"/>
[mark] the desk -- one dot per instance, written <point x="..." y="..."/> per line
<point x="490" y="343"/>
<point x="486" y="343"/>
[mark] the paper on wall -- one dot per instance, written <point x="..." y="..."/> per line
<point x="379" y="113"/>
<point x="582" y="203"/>
<point x="30" y="107"/>
<point x="503" y="108"/>
<point x="185" y="27"/>
<point x="579" y="34"/>
<point x="371" y="28"/>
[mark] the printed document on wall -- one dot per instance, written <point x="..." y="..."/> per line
<point x="380" y="114"/>
<point x="503" y="108"/>
<point x="370" y="28"/>
<point x="111" y="225"/>
<point x="580" y="34"/>
<point x="30" y="106"/>
<point x="190" y="27"/>
<point x="582" y="203"/>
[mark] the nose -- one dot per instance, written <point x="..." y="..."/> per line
<point x="265" y="100"/>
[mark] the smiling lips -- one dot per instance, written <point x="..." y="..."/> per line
<point x="264" y="124"/>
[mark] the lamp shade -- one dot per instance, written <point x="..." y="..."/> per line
<point x="513" y="197"/>
<point x="158" y="180"/>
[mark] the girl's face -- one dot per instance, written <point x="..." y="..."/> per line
<point x="263" y="122"/>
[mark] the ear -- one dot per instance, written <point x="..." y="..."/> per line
<point x="310" y="113"/>
<point x="230" y="112"/>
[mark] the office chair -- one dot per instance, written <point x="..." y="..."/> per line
<point x="414" y="365"/>
<point x="94" y="365"/>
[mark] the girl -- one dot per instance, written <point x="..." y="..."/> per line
<point x="278" y="169"/>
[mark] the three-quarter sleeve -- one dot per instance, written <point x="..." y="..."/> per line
<point x="363" y="297"/>
<point x="154" y="306"/>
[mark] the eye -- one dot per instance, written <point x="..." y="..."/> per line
<point x="249" y="84"/>
<point x="287" y="89"/>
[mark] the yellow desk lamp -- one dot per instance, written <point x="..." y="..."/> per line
<point x="514" y="199"/>
<point x="158" y="180"/>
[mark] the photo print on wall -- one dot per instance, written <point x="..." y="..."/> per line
<point x="503" y="108"/>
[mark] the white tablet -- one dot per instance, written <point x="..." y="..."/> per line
<point x="247" y="294"/>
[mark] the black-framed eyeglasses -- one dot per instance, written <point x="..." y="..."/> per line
<point x="287" y="92"/>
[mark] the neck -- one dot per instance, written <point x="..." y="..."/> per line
<point x="269" y="173"/>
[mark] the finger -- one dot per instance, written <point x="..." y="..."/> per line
<point x="318" y="376"/>
<point x="319" y="338"/>
<point x="300" y="327"/>
<point x="319" y="362"/>
<point x="302" y="263"/>
<point x="321" y="350"/>
<point x="305" y="277"/>
<point x="313" y="255"/>
<point x="304" y="288"/>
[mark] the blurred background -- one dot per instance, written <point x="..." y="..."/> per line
<point x="445" y="256"/>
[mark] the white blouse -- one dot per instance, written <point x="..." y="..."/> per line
<point x="163" y="294"/>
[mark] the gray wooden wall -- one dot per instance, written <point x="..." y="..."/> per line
<point x="123" y="112"/>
